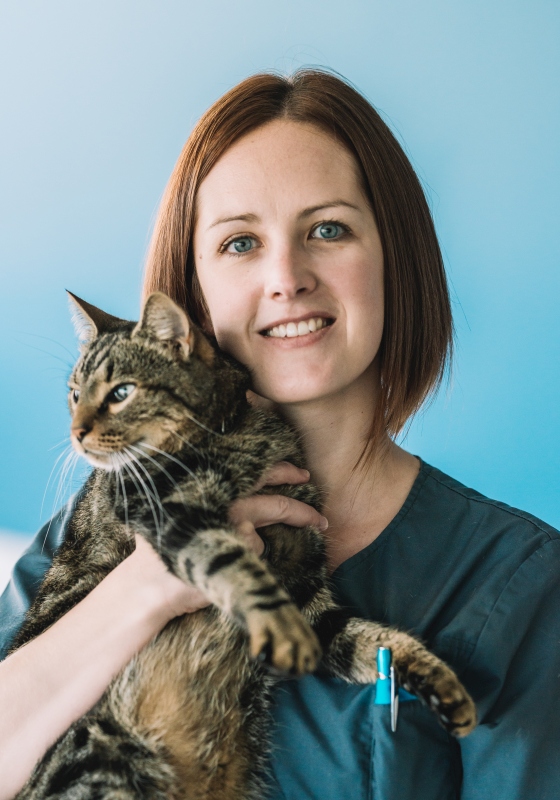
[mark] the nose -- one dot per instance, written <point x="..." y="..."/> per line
<point x="79" y="433"/>
<point x="288" y="274"/>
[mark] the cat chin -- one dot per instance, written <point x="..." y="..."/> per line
<point x="102" y="462"/>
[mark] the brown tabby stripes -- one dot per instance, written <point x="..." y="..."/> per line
<point x="187" y="719"/>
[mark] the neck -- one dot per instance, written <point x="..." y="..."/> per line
<point x="360" y="498"/>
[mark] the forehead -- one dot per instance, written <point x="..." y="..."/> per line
<point x="282" y="166"/>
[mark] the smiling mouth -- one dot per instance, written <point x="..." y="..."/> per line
<point x="291" y="330"/>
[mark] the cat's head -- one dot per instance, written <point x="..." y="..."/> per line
<point x="139" y="388"/>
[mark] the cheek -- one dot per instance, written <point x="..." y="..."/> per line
<point x="361" y="286"/>
<point x="229" y="324"/>
<point x="229" y="304"/>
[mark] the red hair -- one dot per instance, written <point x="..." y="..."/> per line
<point x="417" y="341"/>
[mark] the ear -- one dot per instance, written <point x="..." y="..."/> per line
<point x="89" y="321"/>
<point x="163" y="319"/>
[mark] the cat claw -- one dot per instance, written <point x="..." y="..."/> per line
<point x="283" y="642"/>
<point x="447" y="698"/>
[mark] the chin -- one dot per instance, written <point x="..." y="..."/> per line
<point x="290" y="393"/>
<point x="311" y="385"/>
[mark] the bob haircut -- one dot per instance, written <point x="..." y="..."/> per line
<point x="416" y="346"/>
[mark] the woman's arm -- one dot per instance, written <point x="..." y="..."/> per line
<point x="54" y="679"/>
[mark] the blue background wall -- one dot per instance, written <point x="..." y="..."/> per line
<point x="97" y="100"/>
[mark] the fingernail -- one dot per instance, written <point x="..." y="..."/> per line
<point x="306" y="473"/>
<point x="324" y="524"/>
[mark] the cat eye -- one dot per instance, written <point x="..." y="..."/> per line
<point x="75" y="394"/>
<point x="120" y="393"/>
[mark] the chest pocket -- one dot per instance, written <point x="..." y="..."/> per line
<point x="331" y="742"/>
<point x="419" y="761"/>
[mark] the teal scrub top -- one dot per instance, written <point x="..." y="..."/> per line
<point x="479" y="582"/>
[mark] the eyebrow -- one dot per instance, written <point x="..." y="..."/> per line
<point x="307" y="212"/>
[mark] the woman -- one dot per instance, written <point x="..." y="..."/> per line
<point x="295" y="231"/>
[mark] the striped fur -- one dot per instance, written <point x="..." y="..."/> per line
<point x="188" y="717"/>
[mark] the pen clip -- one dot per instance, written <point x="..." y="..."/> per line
<point x="394" y="699"/>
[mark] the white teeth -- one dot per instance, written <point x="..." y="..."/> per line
<point x="293" y="329"/>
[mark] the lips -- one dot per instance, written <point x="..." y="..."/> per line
<point x="292" y="328"/>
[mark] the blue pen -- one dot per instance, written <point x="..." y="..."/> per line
<point x="387" y="690"/>
<point x="383" y="686"/>
<point x="386" y="693"/>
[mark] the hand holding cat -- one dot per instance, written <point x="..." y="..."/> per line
<point x="257" y="511"/>
<point x="247" y="515"/>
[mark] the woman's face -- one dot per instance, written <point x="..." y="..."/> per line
<point x="290" y="262"/>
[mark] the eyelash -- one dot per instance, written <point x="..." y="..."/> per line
<point x="345" y="231"/>
<point x="226" y="244"/>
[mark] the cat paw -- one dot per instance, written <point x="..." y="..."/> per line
<point x="283" y="641"/>
<point x="440" y="689"/>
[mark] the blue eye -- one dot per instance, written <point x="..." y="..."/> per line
<point x="330" y="230"/>
<point x="120" y="393"/>
<point x="241" y="245"/>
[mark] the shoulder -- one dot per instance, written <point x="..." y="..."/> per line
<point x="496" y="541"/>
<point x="454" y="495"/>
<point x="496" y="538"/>
<point x="506" y="575"/>
<point x="492" y="538"/>
<point x="441" y="565"/>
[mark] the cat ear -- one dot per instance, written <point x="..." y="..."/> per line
<point x="166" y="321"/>
<point x="90" y="321"/>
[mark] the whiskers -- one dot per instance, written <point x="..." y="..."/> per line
<point x="119" y="462"/>
<point x="172" y="458"/>
<point x="138" y="471"/>
<point x="132" y="465"/>
<point x="203" y="426"/>
<point x="146" y="487"/>
<point x="66" y="471"/>
<point x="186" y="441"/>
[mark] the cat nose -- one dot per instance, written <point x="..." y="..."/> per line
<point x="79" y="433"/>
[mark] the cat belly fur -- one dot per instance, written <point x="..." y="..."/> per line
<point x="195" y="695"/>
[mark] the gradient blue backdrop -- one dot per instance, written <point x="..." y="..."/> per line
<point x="97" y="100"/>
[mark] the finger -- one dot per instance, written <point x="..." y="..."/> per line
<point x="283" y="472"/>
<point x="267" y="509"/>
<point x="251" y="537"/>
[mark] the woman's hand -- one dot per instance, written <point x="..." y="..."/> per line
<point x="247" y="515"/>
<point x="256" y="511"/>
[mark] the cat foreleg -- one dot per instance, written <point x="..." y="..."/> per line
<point x="351" y="654"/>
<point x="231" y="575"/>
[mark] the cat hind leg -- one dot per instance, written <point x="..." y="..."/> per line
<point x="97" y="759"/>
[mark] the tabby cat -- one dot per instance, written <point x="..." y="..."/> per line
<point x="163" y="417"/>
